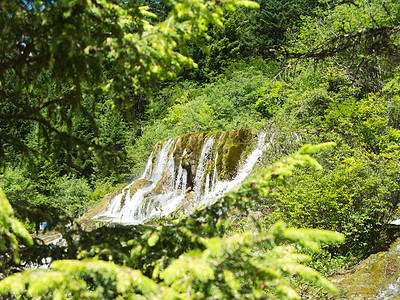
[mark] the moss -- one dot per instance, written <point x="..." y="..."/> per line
<point x="181" y="145"/>
<point x="232" y="159"/>
<point x="179" y="149"/>
<point x="160" y="186"/>
<point x="220" y="159"/>
<point x="193" y="148"/>
<point x="86" y="219"/>
<point x="171" y="150"/>
<point x="136" y="185"/>
<point x="232" y="149"/>
<point x="372" y="276"/>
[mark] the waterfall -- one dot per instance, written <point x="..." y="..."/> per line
<point x="205" y="157"/>
<point x="186" y="172"/>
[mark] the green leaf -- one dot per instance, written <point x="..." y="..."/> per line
<point x="153" y="239"/>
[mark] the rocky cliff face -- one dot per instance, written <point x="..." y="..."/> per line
<point x="184" y="172"/>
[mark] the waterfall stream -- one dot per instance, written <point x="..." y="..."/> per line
<point x="186" y="172"/>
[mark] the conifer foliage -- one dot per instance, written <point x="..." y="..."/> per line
<point x="11" y="229"/>
<point x="56" y="56"/>
<point x="74" y="74"/>
<point x="205" y="262"/>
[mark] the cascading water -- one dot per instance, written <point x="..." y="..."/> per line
<point x="222" y="187"/>
<point x="185" y="172"/>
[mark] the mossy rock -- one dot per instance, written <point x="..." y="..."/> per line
<point x="149" y="203"/>
<point x="163" y="185"/>
<point x="86" y="219"/>
<point x="156" y="149"/>
<point x="137" y="185"/>
<point x="186" y="205"/>
<point x="232" y="159"/>
<point x="377" y="277"/>
<point x="233" y="148"/>
<point x="179" y="150"/>
<point x="193" y="144"/>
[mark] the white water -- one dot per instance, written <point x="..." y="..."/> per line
<point x="166" y="191"/>
<point x="206" y="155"/>
<point x="222" y="187"/>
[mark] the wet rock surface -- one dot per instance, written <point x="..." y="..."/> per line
<point x="86" y="220"/>
<point x="183" y="172"/>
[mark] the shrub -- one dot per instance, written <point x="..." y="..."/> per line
<point x="190" y="258"/>
<point x="356" y="197"/>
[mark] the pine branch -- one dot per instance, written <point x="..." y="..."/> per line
<point x="33" y="111"/>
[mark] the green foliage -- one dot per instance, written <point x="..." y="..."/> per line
<point x="271" y="99"/>
<point x="74" y="74"/>
<point x="223" y="105"/>
<point x="273" y="25"/>
<point x="331" y="107"/>
<point x="391" y="94"/>
<point x="365" y="120"/>
<point x="356" y="196"/>
<point x="46" y="196"/>
<point x="212" y="272"/>
<point x="54" y="55"/>
<point x="11" y="229"/>
<point x="229" y="43"/>
<point x="248" y="33"/>
<point x="72" y="279"/>
<point x="197" y="114"/>
<point x="228" y="267"/>
<point x="16" y="184"/>
<point x="30" y="199"/>
<point x="337" y="110"/>
<point x="360" y="36"/>
<point x="73" y="77"/>
<point x="71" y="194"/>
<point x="199" y="262"/>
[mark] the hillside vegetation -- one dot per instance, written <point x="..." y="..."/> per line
<point x="87" y="89"/>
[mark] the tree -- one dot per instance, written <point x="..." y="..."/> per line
<point x="54" y="55"/>
<point x="70" y="68"/>
<point x="264" y="33"/>
<point x="200" y="261"/>
<point x="360" y="37"/>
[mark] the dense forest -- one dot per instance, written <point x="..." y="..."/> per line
<point x="87" y="88"/>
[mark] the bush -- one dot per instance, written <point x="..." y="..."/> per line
<point x="72" y="194"/>
<point x="356" y="197"/>
<point x="188" y="258"/>
<point x="223" y="105"/>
